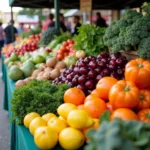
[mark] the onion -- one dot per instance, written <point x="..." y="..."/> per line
<point x="80" y="54"/>
<point x="20" y="83"/>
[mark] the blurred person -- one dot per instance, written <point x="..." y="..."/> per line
<point x="39" y="25"/>
<point x="100" y="21"/>
<point x="10" y="37"/>
<point x="21" y="29"/>
<point x="1" y="37"/>
<point x="62" y="24"/>
<point x="76" y="21"/>
<point x="49" y="21"/>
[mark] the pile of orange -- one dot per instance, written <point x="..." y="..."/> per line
<point x="127" y="99"/>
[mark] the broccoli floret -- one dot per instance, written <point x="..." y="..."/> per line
<point x="144" y="48"/>
<point x="117" y="48"/>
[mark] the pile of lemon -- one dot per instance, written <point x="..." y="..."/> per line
<point x="68" y="129"/>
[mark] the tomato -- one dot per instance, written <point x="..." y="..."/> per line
<point x="138" y="71"/>
<point x="124" y="94"/>
<point x="144" y="99"/>
<point x="60" y="57"/>
<point x="144" y="115"/>
<point x="104" y="85"/>
<point x="124" y="114"/>
<point x="109" y="107"/>
<point x="70" y="41"/>
<point x="65" y="44"/>
<point x="71" y="45"/>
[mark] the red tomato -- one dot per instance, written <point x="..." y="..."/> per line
<point x="65" y="44"/>
<point x="59" y="56"/>
<point x="70" y="41"/>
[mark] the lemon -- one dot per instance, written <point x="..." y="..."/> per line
<point x="61" y="118"/>
<point x="29" y="117"/>
<point x="57" y="124"/>
<point x="45" y="138"/>
<point x="48" y="116"/>
<point x="79" y="119"/>
<point x="35" y="123"/>
<point x="64" y="109"/>
<point x="71" y="139"/>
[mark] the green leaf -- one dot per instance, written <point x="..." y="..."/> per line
<point x="105" y="116"/>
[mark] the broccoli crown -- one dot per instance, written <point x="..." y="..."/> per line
<point x="144" y="48"/>
<point x="131" y="32"/>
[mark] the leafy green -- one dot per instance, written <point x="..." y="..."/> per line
<point x="37" y="96"/>
<point x="90" y="39"/>
<point x="59" y="39"/>
<point x="48" y="36"/>
<point x="120" y="135"/>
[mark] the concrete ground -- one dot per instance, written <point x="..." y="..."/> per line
<point x="4" y="125"/>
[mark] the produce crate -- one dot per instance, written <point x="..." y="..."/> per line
<point x="130" y="54"/>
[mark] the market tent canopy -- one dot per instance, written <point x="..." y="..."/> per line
<point x="67" y="4"/>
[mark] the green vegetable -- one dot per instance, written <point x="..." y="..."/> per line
<point x="59" y="39"/>
<point x="48" y="36"/>
<point x="27" y="34"/>
<point x="130" y="33"/>
<point x="37" y="96"/>
<point x="90" y="39"/>
<point x="120" y="135"/>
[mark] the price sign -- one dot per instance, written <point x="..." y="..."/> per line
<point x="85" y="5"/>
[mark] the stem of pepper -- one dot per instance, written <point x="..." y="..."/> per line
<point x="126" y="89"/>
<point x="140" y="66"/>
<point x="148" y="115"/>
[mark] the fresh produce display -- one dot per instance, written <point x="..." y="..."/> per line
<point x="72" y="94"/>
<point x="46" y="71"/>
<point x="27" y="45"/>
<point x="119" y="135"/>
<point x="90" y="39"/>
<point x="31" y="32"/>
<point x="66" y="49"/>
<point x="132" y="32"/>
<point x="89" y="70"/>
<point x="48" y="36"/>
<point x="67" y="131"/>
<point x="36" y="96"/>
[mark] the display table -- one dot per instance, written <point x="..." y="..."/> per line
<point x="20" y="139"/>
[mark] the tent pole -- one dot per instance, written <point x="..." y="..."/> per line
<point x="57" y="8"/>
<point x="12" y="19"/>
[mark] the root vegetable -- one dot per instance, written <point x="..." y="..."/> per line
<point x="51" y="62"/>
<point x="46" y="74"/>
<point x="41" y="78"/>
<point x="60" y="65"/>
<point x="35" y="73"/>
<point x="27" y="80"/>
<point x="40" y="74"/>
<point x="42" y="66"/>
<point x="20" y="83"/>
<point x="54" y="74"/>
<point x="48" y="69"/>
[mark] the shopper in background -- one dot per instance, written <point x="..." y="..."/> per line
<point x="1" y="37"/>
<point x="62" y="24"/>
<point x="21" y="29"/>
<point x="10" y="33"/>
<point x="76" y="21"/>
<point x="49" y="21"/>
<point x="100" y="21"/>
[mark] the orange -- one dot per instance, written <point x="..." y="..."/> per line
<point x="124" y="114"/>
<point x="95" y="93"/>
<point x="89" y="98"/>
<point x="104" y="85"/>
<point x="74" y="96"/>
<point x="109" y="107"/>
<point x="95" y="107"/>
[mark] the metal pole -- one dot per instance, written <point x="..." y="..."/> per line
<point x="12" y="27"/>
<point x="57" y="8"/>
